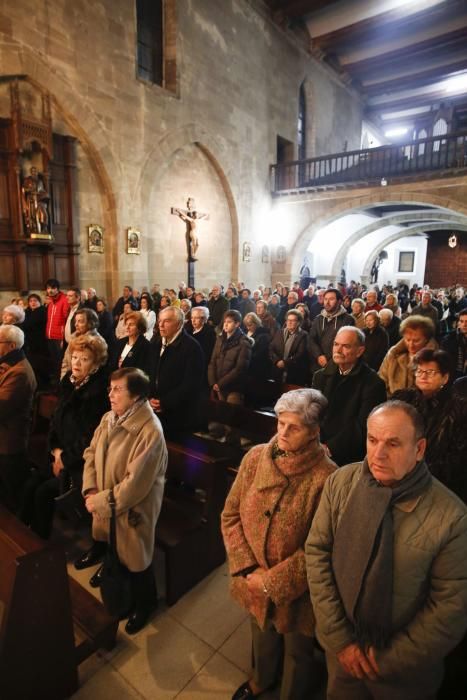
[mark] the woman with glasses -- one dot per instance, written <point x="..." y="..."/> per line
<point x="445" y="416"/>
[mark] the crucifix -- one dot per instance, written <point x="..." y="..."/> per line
<point x="191" y="217"/>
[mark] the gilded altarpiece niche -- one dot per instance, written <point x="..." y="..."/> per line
<point x="37" y="238"/>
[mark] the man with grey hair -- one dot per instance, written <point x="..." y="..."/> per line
<point x="391" y="324"/>
<point x="352" y="390"/>
<point x="217" y="305"/>
<point x="202" y="332"/>
<point x="386" y="567"/>
<point x="17" y="387"/>
<point x="177" y="375"/>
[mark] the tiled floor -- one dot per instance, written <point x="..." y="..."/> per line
<point x="199" y="649"/>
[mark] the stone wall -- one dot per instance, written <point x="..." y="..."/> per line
<point x="143" y="149"/>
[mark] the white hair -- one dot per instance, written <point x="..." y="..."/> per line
<point x="16" y="311"/>
<point x="204" y="311"/>
<point x="359" y="333"/>
<point x="309" y="404"/>
<point x="12" y="334"/>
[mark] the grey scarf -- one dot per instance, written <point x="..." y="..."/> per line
<point x="362" y="557"/>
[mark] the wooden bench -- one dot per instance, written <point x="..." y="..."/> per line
<point x="44" y="407"/>
<point x="188" y="529"/>
<point x="48" y="623"/>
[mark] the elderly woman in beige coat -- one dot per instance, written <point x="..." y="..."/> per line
<point x="128" y="454"/>
<point x="397" y="368"/>
<point x="266" y="520"/>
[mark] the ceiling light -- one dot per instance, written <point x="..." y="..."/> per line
<point x="400" y="131"/>
<point x="456" y="84"/>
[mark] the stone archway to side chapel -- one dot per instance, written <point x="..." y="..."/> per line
<point x="359" y="200"/>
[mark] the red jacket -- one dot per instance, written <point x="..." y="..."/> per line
<point x="57" y="312"/>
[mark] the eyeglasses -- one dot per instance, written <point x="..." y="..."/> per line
<point x="116" y="389"/>
<point x="426" y="372"/>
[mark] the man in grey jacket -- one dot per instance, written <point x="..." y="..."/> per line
<point x="325" y="326"/>
<point x="386" y="567"/>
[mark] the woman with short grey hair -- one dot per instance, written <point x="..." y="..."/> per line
<point x="13" y="315"/>
<point x="265" y="523"/>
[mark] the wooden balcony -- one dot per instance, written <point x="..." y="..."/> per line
<point x="431" y="157"/>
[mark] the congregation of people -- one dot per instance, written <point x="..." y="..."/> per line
<point x="346" y="532"/>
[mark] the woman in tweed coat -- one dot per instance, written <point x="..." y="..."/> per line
<point x="265" y="523"/>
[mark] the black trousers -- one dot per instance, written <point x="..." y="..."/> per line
<point x="143" y="588"/>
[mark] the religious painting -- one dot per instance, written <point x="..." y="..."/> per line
<point x="406" y="261"/>
<point x="133" y="241"/>
<point x="265" y="254"/>
<point x="246" y="252"/>
<point x="281" y="254"/>
<point x="95" y="238"/>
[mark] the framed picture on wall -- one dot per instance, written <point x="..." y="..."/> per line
<point x="406" y="261"/>
<point x="246" y="252"/>
<point x="95" y="238"/>
<point x="133" y="245"/>
<point x="265" y="254"/>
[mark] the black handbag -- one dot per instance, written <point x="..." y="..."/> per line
<point x="115" y="581"/>
<point x="70" y="502"/>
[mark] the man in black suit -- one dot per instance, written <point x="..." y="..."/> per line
<point x="177" y="375"/>
<point x="352" y="389"/>
<point x="203" y="333"/>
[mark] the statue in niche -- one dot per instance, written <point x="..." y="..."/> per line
<point x="191" y="217"/>
<point x="35" y="203"/>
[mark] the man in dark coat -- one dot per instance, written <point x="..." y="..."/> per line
<point x="228" y="368"/>
<point x="177" y="375"/>
<point x="17" y="387"/>
<point x="391" y="324"/>
<point x="217" y="306"/>
<point x="325" y="326"/>
<point x="126" y="298"/>
<point x="288" y="351"/>
<point x="203" y="333"/>
<point x="352" y="390"/>
<point x="246" y="304"/>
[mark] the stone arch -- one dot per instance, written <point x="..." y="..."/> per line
<point x="159" y="158"/>
<point x="23" y="61"/>
<point x="411" y="231"/>
<point x="349" y="205"/>
<point x="393" y="220"/>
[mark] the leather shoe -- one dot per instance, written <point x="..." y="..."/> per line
<point x="91" y="557"/>
<point x="138" y="620"/>
<point x="244" y="692"/>
<point x="95" y="580"/>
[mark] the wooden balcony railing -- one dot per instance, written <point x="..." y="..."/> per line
<point x="370" y="166"/>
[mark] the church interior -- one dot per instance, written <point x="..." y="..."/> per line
<point x="330" y="134"/>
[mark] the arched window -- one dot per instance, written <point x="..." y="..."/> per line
<point x="422" y="134"/>
<point x="301" y="125"/>
<point x="440" y="128"/>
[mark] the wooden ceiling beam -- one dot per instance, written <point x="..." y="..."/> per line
<point x="295" y="9"/>
<point x="404" y="103"/>
<point x="418" y="78"/>
<point x="392" y="23"/>
<point x="445" y="42"/>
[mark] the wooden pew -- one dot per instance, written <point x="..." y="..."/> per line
<point x="48" y="623"/>
<point x="188" y="529"/>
